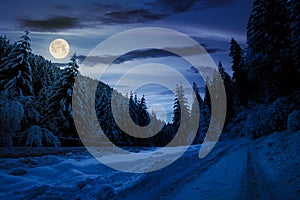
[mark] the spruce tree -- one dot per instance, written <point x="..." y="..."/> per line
<point x="295" y="31"/>
<point x="205" y="114"/>
<point x="144" y="115"/>
<point x="236" y="53"/>
<point x="4" y="48"/>
<point x="195" y="111"/>
<point x="239" y="76"/>
<point x="133" y="108"/>
<point x="225" y="76"/>
<point x="295" y="41"/>
<point x="267" y="53"/>
<point x="60" y="103"/>
<point x="180" y="105"/>
<point x="15" y="70"/>
<point x="66" y="86"/>
<point x="229" y="91"/>
<point x="181" y="115"/>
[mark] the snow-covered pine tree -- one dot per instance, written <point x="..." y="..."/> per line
<point x="225" y="76"/>
<point x="104" y="113"/>
<point x="144" y="115"/>
<point x="181" y="116"/>
<point x="229" y="91"/>
<point x="295" y="40"/>
<point x="11" y="114"/>
<point x="133" y="108"/>
<point x="205" y="114"/>
<point x="268" y="45"/>
<point x="236" y="53"/>
<point x="195" y="111"/>
<point x="15" y="70"/>
<point x="176" y="111"/>
<point x="197" y="94"/>
<point x="239" y="82"/>
<point x="69" y="75"/>
<point x="44" y="73"/>
<point x="5" y="47"/>
<point x="59" y="115"/>
<point x="295" y="31"/>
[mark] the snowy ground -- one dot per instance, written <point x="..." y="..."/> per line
<point x="267" y="168"/>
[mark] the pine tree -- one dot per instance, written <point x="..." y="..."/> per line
<point x="239" y="76"/>
<point x="133" y="108"/>
<point x="44" y="73"/>
<point x="268" y="46"/>
<point x="15" y="70"/>
<point x="225" y="76"/>
<point x="180" y="105"/>
<point x="236" y="53"/>
<point x="195" y="111"/>
<point x="66" y="86"/>
<point x="207" y="100"/>
<point x="295" y="41"/>
<point x="60" y="103"/>
<point x="181" y="114"/>
<point x="295" y="31"/>
<point x="5" y="48"/>
<point x="197" y="94"/>
<point x="257" y="35"/>
<point x="229" y="91"/>
<point x="104" y="113"/>
<point x="144" y="115"/>
<point x="205" y="114"/>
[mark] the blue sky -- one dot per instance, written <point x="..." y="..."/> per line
<point x="86" y="23"/>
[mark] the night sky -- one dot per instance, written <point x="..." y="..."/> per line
<point x="86" y="23"/>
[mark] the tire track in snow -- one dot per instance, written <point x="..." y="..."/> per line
<point x="260" y="180"/>
<point x="221" y="180"/>
<point x="184" y="176"/>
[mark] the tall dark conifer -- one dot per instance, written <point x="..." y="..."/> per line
<point x="15" y="69"/>
<point x="236" y="53"/>
<point x="295" y="41"/>
<point x="268" y="46"/>
<point x="195" y="111"/>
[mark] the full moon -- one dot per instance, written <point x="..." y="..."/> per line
<point x="59" y="48"/>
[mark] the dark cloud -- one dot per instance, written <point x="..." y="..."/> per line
<point x="144" y="54"/>
<point x="129" y="16"/>
<point x="192" y="50"/>
<point x="52" y="23"/>
<point x="146" y="11"/>
<point x="134" y="55"/>
<point x="176" y="6"/>
<point x="93" y="60"/>
<point x="89" y="13"/>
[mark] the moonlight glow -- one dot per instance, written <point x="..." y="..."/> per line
<point x="59" y="48"/>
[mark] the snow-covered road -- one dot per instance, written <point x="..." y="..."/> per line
<point x="267" y="168"/>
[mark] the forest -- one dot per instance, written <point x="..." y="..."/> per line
<point x="263" y="94"/>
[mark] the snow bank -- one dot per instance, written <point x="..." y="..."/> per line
<point x="294" y="121"/>
<point x="263" y="119"/>
<point x="223" y="174"/>
<point x="37" y="136"/>
<point x="11" y="114"/>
